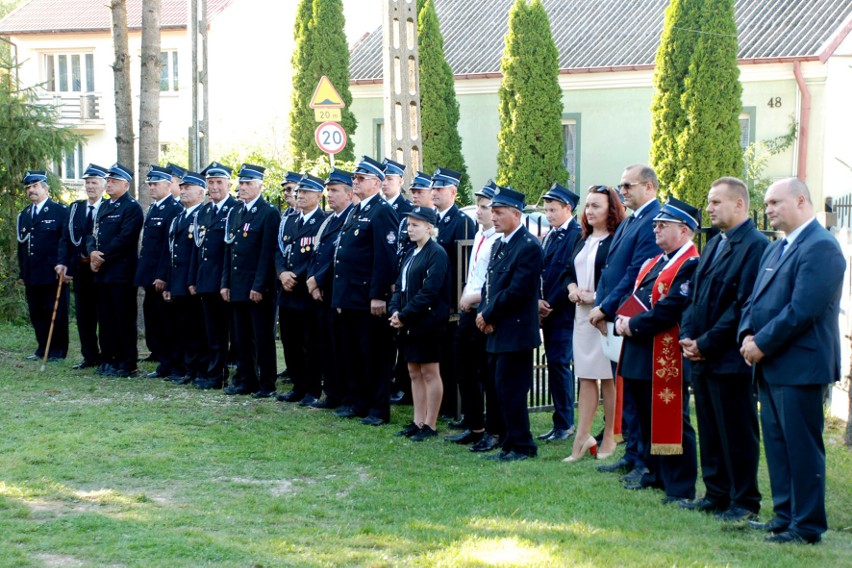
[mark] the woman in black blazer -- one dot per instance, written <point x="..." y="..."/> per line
<point x="602" y="213"/>
<point x="420" y="309"/>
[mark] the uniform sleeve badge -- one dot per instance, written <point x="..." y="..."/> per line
<point x="391" y="238"/>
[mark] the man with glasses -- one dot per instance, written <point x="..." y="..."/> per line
<point x="652" y="364"/>
<point x="453" y="226"/>
<point x="364" y="271"/>
<point x="632" y="244"/>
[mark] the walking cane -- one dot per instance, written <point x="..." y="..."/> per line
<point x="52" y="321"/>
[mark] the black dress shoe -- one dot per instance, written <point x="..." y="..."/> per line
<point x="206" y="384"/>
<point x="106" y="370"/>
<point x="424" y="434"/>
<point x="621" y="465"/>
<point x="396" y="398"/>
<point x="232" y="390"/>
<point x="155" y="375"/>
<point x="668" y="500"/>
<point x="466" y="437"/>
<point x="326" y="403"/>
<point x="486" y="444"/>
<point x="558" y="434"/>
<point x="32" y="357"/>
<point x="546" y="435"/>
<point x="509" y="456"/>
<point x="735" y="515"/>
<point x="126" y="373"/>
<point x="457" y="424"/>
<point x="345" y="412"/>
<point x="307" y="400"/>
<point x="372" y="421"/>
<point x="789" y="537"/>
<point x="290" y="396"/>
<point x="775" y="525"/>
<point x="635" y="475"/>
<point x="85" y="364"/>
<point x="181" y="379"/>
<point x="647" y="481"/>
<point x="705" y="505"/>
<point x="263" y="394"/>
<point x="54" y="359"/>
<point x="410" y="430"/>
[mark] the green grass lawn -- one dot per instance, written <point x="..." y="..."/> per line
<point x="139" y="472"/>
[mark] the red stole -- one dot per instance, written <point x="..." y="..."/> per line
<point x="667" y="377"/>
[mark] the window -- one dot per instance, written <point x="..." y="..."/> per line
<point x="71" y="165"/>
<point x="69" y="72"/>
<point x="379" y="141"/>
<point x="168" y="71"/>
<point x="747" y="133"/>
<point x="571" y="144"/>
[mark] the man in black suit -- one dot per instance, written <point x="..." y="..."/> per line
<point x="364" y="271"/>
<point x="190" y="341"/>
<point x="298" y="313"/>
<point x="113" y="256"/>
<point x="651" y="361"/>
<point x="248" y="283"/>
<point x="554" y="309"/>
<point x="206" y="274"/>
<point x="75" y="263"/>
<point x="151" y="273"/>
<point x="632" y="244"/>
<point x="453" y="226"/>
<point x="40" y="227"/>
<point x="508" y="315"/>
<point x="725" y="400"/>
<point x="320" y="276"/>
<point x="392" y="187"/>
<point x="790" y="335"/>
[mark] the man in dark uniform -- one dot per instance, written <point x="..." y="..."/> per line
<point x="206" y="276"/>
<point x="508" y="315"/>
<point x="75" y="263"/>
<point x="113" y="257"/>
<point x="364" y="271"/>
<point x="421" y="192"/>
<point x="392" y="187"/>
<point x="248" y="282"/>
<point x="555" y="310"/>
<point x="320" y="276"/>
<point x="289" y="185"/>
<point x="651" y="361"/>
<point x="725" y="399"/>
<point x="297" y="311"/>
<point x="40" y="227"/>
<point x="453" y="226"/>
<point x="177" y="174"/>
<point x="151" y="274"/>
<point x="192" y="354"/>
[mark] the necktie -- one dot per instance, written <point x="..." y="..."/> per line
<point x="90" y="218"/>
<point x="33" y="212"/>
<point x="778" y="254"/>
<point x="300" y="223"/>
<point x="718" y="252"/>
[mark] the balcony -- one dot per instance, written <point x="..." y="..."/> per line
<point x="81" y="111"/>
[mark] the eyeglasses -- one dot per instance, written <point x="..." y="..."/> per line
<point x="660" y="225"/>
<point x="626" y="186"/>
<point x="599" y="189"/>
<point x="361" y="177"/>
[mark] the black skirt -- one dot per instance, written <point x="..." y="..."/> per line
<point x="421" y="347"/>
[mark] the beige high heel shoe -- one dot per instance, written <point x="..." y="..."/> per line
<point x="590" y="445"/>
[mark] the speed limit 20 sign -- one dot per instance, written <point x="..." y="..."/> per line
<point x="330" y="137"/>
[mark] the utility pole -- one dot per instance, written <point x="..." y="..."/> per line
<point x="199" y="140"/>
<point x="401" y="85"/>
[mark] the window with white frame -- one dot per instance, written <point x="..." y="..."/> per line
<point x="69" y="72"/>
<point x="70" y="167"/>
<point x="169" y="71"/>
<point x="570" y="143"/>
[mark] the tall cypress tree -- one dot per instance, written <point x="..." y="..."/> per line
<point x="439" y="109"/>
<point x="531" y="150"/>
<point x="672" y="65"/>
<point x="709" y="145"/>
<point x="321" y="49"/>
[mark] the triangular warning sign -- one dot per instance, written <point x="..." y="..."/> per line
<point x="326" y="96"/>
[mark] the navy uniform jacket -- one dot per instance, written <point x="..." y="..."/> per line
<point x="558" y="246"/>
<point x="424" y="306"/>
<point x="249" y="259"/>
<point x="455" y="226"/>
<point x="154" y="254"/>
<point x="73" y="231"/>
<point x="632" y="244"/>
<point x="38" y="254"/>
<point x="206" y="271"/>
<point x="717" y="295"/>
<point x="298" y="248"/>
<point x="181" y="252"/>
<point x="402" y="206"/>
<point x="116" y="236"/>
<point x="794" y="308"/>
<point x="509" y="297"/>
<point x="365" y="261"/>
<point x="638" y="351"/>
<point x="321" y="267"/>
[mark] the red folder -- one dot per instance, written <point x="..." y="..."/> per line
<point x="631" y="307"/>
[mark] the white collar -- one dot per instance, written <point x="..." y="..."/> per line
<point x="798" y="231"/>
<point x="252" y="202"/>
<point x="507" y="238"/>
<point x="366" y="200"/>
<point x="160" y="202"/>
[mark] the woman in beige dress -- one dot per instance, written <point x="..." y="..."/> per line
<point x="602" y="213"/>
